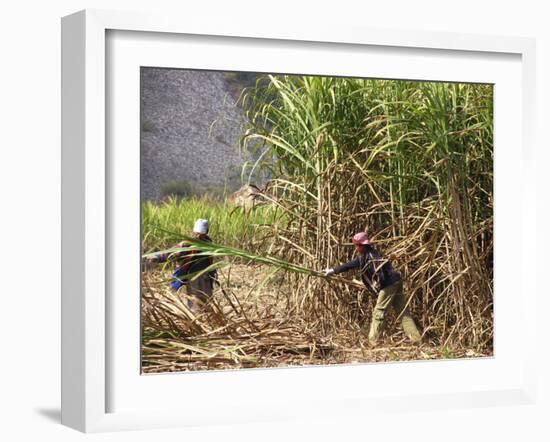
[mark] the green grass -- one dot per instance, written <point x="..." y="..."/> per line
<point x="166" y="223"/>
<point x="447" y="353"/>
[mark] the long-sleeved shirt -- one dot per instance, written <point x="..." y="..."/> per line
<point x="377" y="272"/>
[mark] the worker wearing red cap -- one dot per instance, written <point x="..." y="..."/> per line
<point x="379" y="277"/>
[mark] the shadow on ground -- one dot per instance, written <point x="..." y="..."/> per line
<point x="51" y="414"/>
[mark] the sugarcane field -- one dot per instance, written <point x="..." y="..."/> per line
<point x="296" y="220"/>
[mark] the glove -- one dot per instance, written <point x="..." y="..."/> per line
<point x="328" y="272"/>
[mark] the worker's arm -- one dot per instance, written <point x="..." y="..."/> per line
<point x="353" y="264"/>
<point x="163" y="257"/>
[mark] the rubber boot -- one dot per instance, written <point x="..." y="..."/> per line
<point x="409" y="327"/>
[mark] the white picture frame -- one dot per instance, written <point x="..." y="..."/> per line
<point x="87" y="213"/>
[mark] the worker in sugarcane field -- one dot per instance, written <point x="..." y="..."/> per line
<point x="188" y="264"/>
<point x="381" y="279"/>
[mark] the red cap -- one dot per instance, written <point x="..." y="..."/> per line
<point x="360" y="239"/>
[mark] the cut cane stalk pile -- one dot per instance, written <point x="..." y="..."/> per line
<point x="408" y="162"/>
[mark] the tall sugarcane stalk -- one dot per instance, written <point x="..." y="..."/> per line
<point x="411" y="162"/>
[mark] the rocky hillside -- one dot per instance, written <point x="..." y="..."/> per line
<point x="190" y="128"/>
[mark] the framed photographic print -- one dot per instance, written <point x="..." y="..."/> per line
<point x="249" y="213"/>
